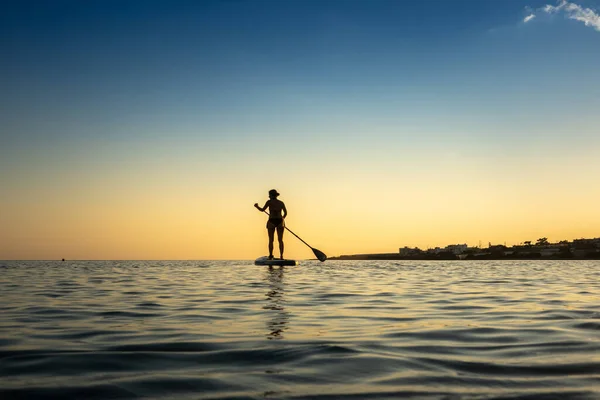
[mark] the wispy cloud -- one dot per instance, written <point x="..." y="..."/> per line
<point x="572" y="11"/>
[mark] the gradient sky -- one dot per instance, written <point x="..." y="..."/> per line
<point x="148" y="129"/>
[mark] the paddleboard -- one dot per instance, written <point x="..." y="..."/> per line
<point x="265" y="261"/>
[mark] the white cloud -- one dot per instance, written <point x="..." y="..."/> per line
<point x="585" y="15"/>
<point x="572" y="11"/>
<point x="552" y="9"/>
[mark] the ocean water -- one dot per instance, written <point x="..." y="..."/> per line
<point x="339" y="329"/>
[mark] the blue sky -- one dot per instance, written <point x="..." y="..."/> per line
<point x="105" y="63"/>
<point x="211" y="91"/>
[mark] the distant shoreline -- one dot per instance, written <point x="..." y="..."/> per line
<point x="456" y="257"/>
<point x="578" y="249"/>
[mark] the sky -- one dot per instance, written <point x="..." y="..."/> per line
<point x="148" y="129"/>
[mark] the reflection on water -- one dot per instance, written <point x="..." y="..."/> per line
<point x="278" y="317"/>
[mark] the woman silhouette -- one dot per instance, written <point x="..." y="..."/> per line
<point x="277" y="214"/>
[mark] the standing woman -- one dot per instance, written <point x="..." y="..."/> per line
<point x="277" y="213"/>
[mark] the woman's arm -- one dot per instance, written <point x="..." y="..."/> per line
<point x="262" y="208"/>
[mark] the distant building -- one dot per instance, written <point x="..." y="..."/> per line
<point x="586" y="244"/>
<point x="435" y="250"/>
<point x="550" y="251"/>
<point x="407" y="251"/>
<point x="457" y="248"/>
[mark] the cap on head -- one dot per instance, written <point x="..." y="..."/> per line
<point x="273" y="193"/>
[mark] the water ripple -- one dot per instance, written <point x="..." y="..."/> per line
<point x="352" y="330"/>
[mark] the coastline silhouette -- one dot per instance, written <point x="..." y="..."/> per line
<point x="528" y="250"/>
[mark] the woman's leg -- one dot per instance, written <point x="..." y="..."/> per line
<point x="280" y="229"/>
<point x="271" y="231"/>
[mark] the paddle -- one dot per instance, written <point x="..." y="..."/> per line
<point x="318" y="253"/>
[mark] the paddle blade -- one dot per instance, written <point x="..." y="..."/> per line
<point x="319" y="254"/>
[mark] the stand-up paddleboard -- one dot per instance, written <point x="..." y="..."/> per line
<point x="275" y="261"/>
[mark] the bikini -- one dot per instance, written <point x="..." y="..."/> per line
<point x="275" y="221"/>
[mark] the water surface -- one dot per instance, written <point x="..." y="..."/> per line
<point x="339" y="329"/>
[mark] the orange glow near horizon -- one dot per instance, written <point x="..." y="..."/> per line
<point x="146" y="216"/>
